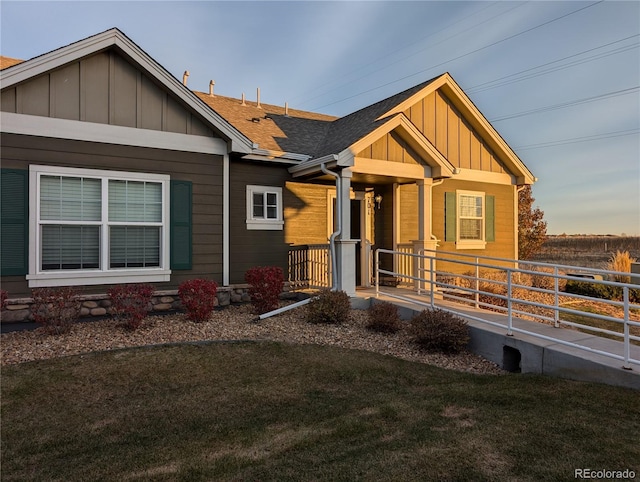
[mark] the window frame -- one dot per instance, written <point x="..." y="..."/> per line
<point x="104" y="274"/>
<point x="471" y="243"/>
<point x="264" y="223"/>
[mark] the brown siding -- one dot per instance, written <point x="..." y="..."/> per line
<point x="251" y="248"/>
<point x="104" y="88"/>
<point x="505" y="229"/>
<point x="205" y="171"/>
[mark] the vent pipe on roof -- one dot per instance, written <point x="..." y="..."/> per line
<point x="258" y="98"/>
<point x="211" y="84"/>
<point x="243" y="102"/>
<point x="286" y="109"/>
<point x="185" y="76"/>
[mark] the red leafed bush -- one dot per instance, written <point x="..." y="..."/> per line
<point x="383" y="317"/>
<point x="56" y="308"/>
<point x="198" y="296"/>
<point x="3" y="298"/>
<point x="265" y="286"/>
<point x="130" y="303"/>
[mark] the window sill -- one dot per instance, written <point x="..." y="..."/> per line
<point x="265" y="225"/>
<point x="471" y="245"/>
<point x="79" y="278"/>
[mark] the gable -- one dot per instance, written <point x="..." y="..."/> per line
<point x="391" y="147"/>
<point x="443" y="124"/>
<point x="103" y="88"/>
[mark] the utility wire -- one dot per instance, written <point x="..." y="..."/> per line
<point x="575" y="140"/>
<point x="563" y="105"/>
<point x="462" y="56"/>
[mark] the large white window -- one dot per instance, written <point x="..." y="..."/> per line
<point x="97" y="227"/>
<point x="264" y="208"/>
<point x="470" y="219"/>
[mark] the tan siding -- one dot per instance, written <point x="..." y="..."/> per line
<point x="408" y="222"/>
<point x="441" y="124"/>
<point x="8" y="100"/>
<point x="465" y="146"/>
<point x="306" y="213"/>
<point x="396" y="150"/>
<point x="205" y="171"/>
<point x="379" y="148"/>
<point x="94" y="88"/>
<point x="416" y="115"/>
<point x="65" y="90"/>
<point x="476" y="149"/>
<point x="33" y="97"/>
<point x="429" y="106"/>
<point x="453" y="137"/>
<point x="506" y="237"/>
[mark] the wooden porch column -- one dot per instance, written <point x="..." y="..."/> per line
<point x="424" y="240"/>
<point x="345" y="246"/>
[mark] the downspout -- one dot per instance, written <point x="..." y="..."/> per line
<point x="338" y="231"/>
<point x="332" y="248"/>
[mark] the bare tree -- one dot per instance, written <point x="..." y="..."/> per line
<point x="532" y="229"/>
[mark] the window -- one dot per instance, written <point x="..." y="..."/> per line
<point x="94" y="227"/>
<point x="264" y="208"/>
<point x="469" y="219"/>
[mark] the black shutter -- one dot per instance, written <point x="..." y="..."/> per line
<point x="14" y="234"/>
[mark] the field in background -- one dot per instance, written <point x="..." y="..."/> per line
<point x="586" y="251"/>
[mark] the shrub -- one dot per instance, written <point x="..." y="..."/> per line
<point x="130" y="303"/>
<point x="198" y="296"/>
<point x="621" y="261"/>
<point x="597" y="290"/>
<point x="55" y="308"/>
<point x="545" y="279"/>
<point x="384" y="318"/>
<point x="3" y="298"/>
<point x="265" y="286"/>
<point x="329" y="307"/>
<point x="439" y="330"/>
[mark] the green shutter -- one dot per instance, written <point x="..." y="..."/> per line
<point x="14" y="234"/>
<point x="450" y="216"/>
<point x="180" y="226"/>
<point x="490" y="218"/>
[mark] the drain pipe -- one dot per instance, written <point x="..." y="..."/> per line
<point x="332" y="247"/>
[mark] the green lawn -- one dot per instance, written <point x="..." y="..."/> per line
<point x="268" y="411"/>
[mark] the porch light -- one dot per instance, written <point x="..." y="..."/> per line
<point x="378" y="200"/>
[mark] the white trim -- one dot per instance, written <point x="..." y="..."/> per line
<point x="265" y="224"/>
<point x="485" y="176"/>
<point x="103" y="275"/>
<point x="225" y="220"/>
<point x="39" y="126"/>
<point x="471" y="243"/>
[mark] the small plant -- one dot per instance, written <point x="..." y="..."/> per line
<point x="439" y="330"/>
<point x="55" y="308"/>
<point x="384" y="318"/>
<point x="330" y="307"/>
<point x="198" y="296"/>
<point x="265" y="285"/>
<point x="3" y="298"/>
<point x="621" y="262"/>
<point x="131" y="303"/>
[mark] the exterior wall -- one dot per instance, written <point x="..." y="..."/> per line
<point x="204" y="171"/>
<point x="408" y="229"/>
<point x="104" y="88"/>
<point x="391" y="148"/>
<point x="306" y="213"/>
<point x="445" y="127"/>
<point x="505" y="244"/>
<point x="249" y="248"/>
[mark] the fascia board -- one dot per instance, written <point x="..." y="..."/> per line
<point x="404" y="105"/>
<point x="110" y="38"/>
<point x="313" y="166"/>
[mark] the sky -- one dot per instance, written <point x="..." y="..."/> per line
<point x="560" y="81"/>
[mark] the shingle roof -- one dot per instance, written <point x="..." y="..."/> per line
<point x="6" y="62"/>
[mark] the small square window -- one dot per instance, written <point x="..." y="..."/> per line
<point x="264" y="208"/>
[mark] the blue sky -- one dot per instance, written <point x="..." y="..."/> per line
<point x="559" y="80"/>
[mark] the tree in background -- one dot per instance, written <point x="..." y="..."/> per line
<point x="532" y="229"/>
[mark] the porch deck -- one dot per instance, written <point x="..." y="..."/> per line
<point x="541" y="352"/>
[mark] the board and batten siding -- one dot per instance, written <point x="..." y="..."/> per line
<point x="104" y="88"/>
<point x="441" y="123"/>
<point x="204" y="171"/>
<point x="250" y="248"/>
<point x="391" y="147"/>
<point x="505" y="244"/>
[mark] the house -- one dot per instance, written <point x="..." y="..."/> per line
<point x="114" y="171"/>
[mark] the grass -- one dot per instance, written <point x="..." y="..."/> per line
<point x="592" y="307"/>
<point x="269" y="411"/>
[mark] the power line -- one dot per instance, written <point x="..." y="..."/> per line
<point x="563" y="105"/>
<point x="462" y="56"/>
<point x="575" y="140"/>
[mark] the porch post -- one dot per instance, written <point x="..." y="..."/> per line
<point x="345" y="246"/>
<point x="424" y="240"/>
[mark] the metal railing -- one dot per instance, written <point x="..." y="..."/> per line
<point x="506" y="286"/>
<point x="310" y="266"/>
